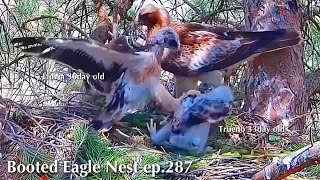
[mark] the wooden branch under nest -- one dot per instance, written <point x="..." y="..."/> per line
<point x="304" y="157"/>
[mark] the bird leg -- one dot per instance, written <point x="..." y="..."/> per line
<point x="120" y="124"/>
<point x="105" y="122"/>
<point x="107" y="126"/>
<point x="164" y="99"/>
<point x="160" y="138"/>
<point x="193" y="92"/>
<point x="193" y="140"/>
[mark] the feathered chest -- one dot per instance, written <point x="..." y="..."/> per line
<point x="145" y="74"/>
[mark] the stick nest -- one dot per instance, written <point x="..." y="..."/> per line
<point x="61" y="133"/>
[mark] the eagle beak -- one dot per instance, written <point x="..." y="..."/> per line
<point x="136" y="19"/>
<point x="143" y="11"/>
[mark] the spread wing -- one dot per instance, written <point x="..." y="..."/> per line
<point x="91" y="57"/>
<point x="206" y="50"/>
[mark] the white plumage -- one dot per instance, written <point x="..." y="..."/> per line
<point x="197" y="108"/>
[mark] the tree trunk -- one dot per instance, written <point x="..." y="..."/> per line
<point x="275" y="81"/>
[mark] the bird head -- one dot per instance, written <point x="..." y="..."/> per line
<point x="218" y="104"/>
<point x="166" y="38"/>
<point x="221" y="93"/>
<point x="152" y="14"/>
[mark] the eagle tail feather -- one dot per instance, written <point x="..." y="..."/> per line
<point x="256" y="43"/>
<point x="285" y="40"/>
<point x="275" y="34"/>
<point x="26" y="41"/>
<point x="266" y="41"/>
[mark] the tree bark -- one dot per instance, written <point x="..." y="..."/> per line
<point x="103" y="32"/>
<point x="275" y="82"/>
<point x="106" y="29"/>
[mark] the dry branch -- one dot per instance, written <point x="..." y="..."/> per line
<point x="57" y="18"/>
<point x="304" y="157"/>
<point x="193" y="7"/>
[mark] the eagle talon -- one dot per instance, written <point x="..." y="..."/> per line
<point x="189" y="93"/>
<point x="109" y="125"/>
<point x="106" y="127"/>
<point x="152" y="128"/>
<point x="193" y="92"/>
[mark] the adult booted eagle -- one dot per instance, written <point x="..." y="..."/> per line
<point x="141" y="79"/>
<point x="206" y="48"/>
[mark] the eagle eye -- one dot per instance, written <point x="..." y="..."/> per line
<point x="173" y="43"/>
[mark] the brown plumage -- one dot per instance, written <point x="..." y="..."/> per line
<point x="141" y="70"/>
<point x="206" y="48"/>
<point x="141" y="80"/>
<point x="90" y="57"/>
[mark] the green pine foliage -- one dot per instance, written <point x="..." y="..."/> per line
<point x="27" y="8"/>
<point x="90" y="146"/>
<point x="313" y="171"/>
<point x="30" y="156"/>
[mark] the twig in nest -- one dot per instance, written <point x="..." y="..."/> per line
<point x="139" y="131"/>
<point x="123" y="134"/>
<point x="13" y="62"/>
<point x="137" y="148"/>
<point x="29" y="116"/>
